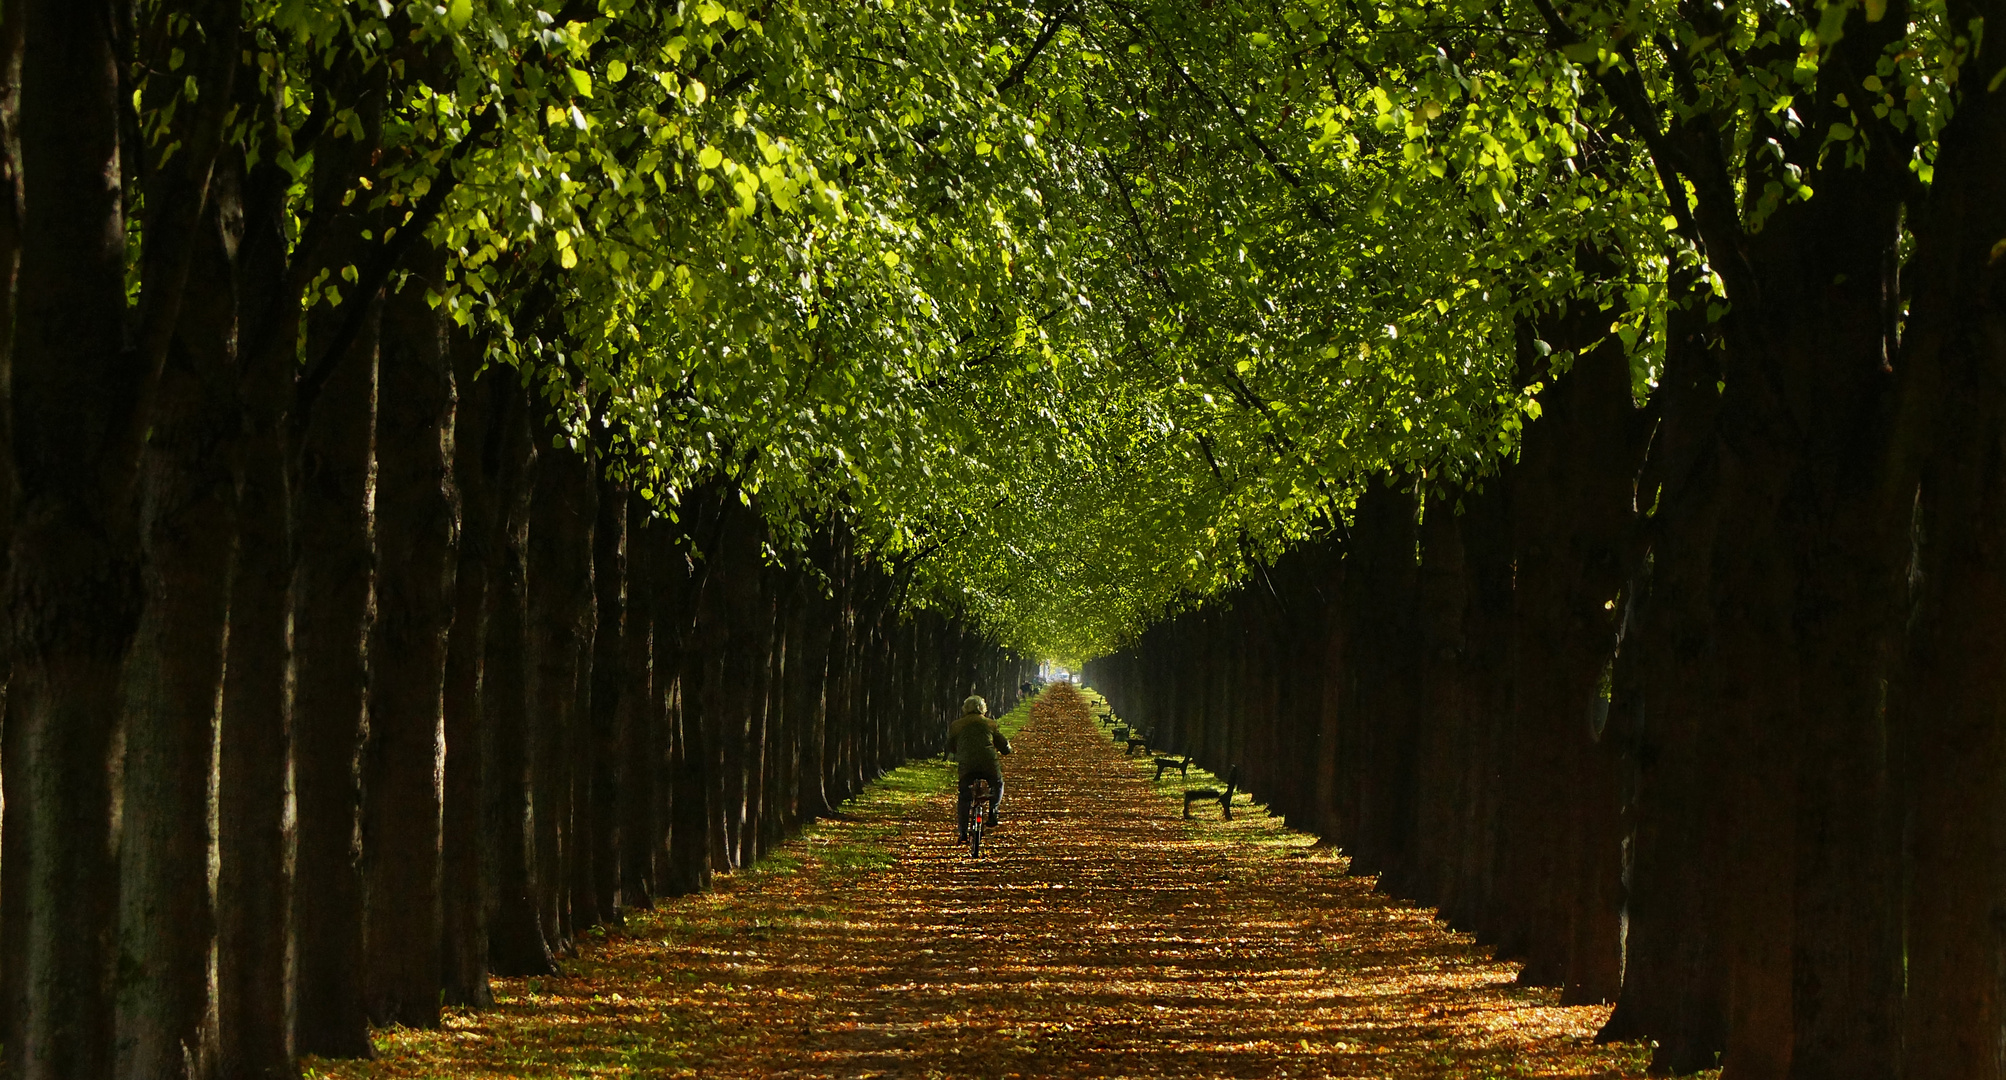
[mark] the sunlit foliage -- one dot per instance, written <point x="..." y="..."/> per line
<point x="1075" y="309"/>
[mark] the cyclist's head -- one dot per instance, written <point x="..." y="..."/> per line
<point x="974" y="704"/>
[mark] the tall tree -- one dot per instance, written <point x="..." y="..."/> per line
<point x="403" y="760"/>
<point x="466" y="865"/>
<point x="75" y="594"/>
<point x="517" y="943"/>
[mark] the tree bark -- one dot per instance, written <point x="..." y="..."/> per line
<point x="465" y="868"/>
<point x="13" y="19"/>
<point x="604" y="764"/>
<point x="674" y="612"/>
<point x="640" y="717"/>
<point x="1573" y="498"/>
<point x="516" y="942"/>
<point x="333" y="596"/>
<point x="811" y="629"/>
<point x="166" y="1027"/>
<point x="1444" y="743"/>
<point x="255" y="838"/>
<point x="1953" y="700"/>
<point x="1950" y="703"/>
<point x="1674" y="984"/>
<point x="560" y="604"/>
<point x="1846" y="952"/>
<point x="1485" y="529"/>
<point x="1385" y="758"/>
<point x="75" y="594"/>
<point x="691" y="811"/>
<point x="332" y="600"/>
<point x="417" y="522"/>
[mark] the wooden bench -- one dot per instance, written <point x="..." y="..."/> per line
<point x="1166" y="763"/>
<point x="1223" y="798"/>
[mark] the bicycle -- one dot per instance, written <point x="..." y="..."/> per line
<point x="978" y="815"/>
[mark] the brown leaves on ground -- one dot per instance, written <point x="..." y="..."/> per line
<point x="1099" y="936"/>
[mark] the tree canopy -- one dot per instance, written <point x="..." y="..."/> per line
<point x="1078" y="310"/>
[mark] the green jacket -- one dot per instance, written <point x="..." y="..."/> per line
<point x="975" y="741"/>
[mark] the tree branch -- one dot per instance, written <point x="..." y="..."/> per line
<point x="383" y="260"/>
<point x="1023" y="65"/>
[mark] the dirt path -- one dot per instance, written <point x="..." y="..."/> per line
<point x="1103" y="937"/>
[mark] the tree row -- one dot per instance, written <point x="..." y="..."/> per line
<point x="1619" y="711"/>
<point x="469" y="698"/>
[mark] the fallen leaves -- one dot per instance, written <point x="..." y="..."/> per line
<point x="1100" y="936"/>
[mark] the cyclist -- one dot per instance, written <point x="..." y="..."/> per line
<point x="975" y="741"/>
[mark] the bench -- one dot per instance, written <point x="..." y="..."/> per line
<point x="1223" y="798"/>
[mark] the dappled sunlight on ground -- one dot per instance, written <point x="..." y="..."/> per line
<point x="1099" y="936"/>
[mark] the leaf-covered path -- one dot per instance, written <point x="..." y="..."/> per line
<point x="1102" y="937"/>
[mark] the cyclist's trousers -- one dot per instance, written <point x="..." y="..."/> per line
<point x="968" y="796"/>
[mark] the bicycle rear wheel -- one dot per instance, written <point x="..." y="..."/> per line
<point x="978" y="814"/>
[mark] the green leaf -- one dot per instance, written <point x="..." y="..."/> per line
<point x="581" y="82"/>
<point x="459" y="13"/>
<point x="616" y="70"/>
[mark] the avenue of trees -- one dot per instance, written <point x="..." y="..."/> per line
<point x="472" y="468"/>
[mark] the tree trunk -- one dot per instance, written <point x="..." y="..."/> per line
<point x="417" y="517"/>
<point x="13" y="17"/>
<point x="753" y="677"/>
<point x="1951" y="701"/>
<point x="560" y="602"/>
<point x="333" y="596"/>
<point x="1332" y="713"/>
<point x="254" y="813"/>
<point x="674" y="597"/>
<point x="465" y="876"/>
<point x="1821" y="334"/>
<point x="601" y="894"/>
<point x="693" y="807"/>
<point x="1444" y="744"/>
<point x="812" y="627"/>
<point x="640" y="720"/>
<point x="332" y="599"/>
<point x="1674" y="981"/>
<point x="1487" y="672"/>
<point x="516" y="943"/>
<point x="173" y="679"/>
<point x="1386" y="576"/>
<point x="1573" y="499"/>
<point x="75" y="595"/>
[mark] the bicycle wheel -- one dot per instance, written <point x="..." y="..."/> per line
<point x="978" y="811"/>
